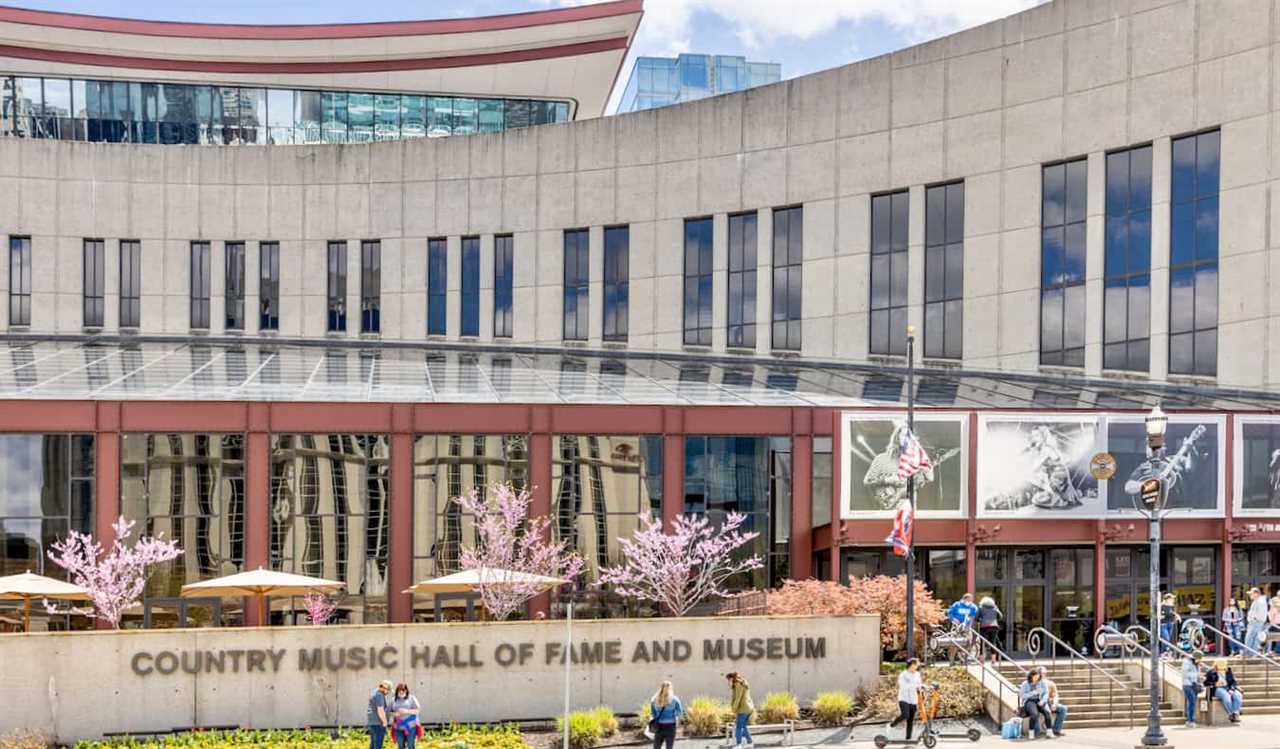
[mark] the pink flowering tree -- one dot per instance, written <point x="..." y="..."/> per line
<point x="116" y="579"/>
<point x="510" y="546"/>
<point x="319" y="607"/>
<point x="681" y="568"/>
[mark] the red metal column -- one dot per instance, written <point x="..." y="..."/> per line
<point x="837" y="493"/>
<point x="672" y="466"/>
<point x="540" y="489"/>
<point x="106" y="485"/>
<point x="257" y="509"/>
<point x="400" y="541"/>
<point x="1100" y="577"/>
<point x="802" y="507"/>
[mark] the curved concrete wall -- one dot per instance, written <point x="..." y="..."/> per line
<point x="988" y="105"/>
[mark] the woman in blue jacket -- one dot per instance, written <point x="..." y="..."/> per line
<point x="665" y="710"/>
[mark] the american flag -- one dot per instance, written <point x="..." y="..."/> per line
<point x="912" y="457"/>
<point x="900" y="538"/>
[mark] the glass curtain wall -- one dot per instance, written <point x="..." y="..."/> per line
<point x="190" y="487"/>
<point x="48" y="491"/>
<point x="182" y="113"/>
<point x="446" y="466"/>
<point x="329" y="518"/>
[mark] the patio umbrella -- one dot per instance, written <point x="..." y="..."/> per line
<point x="467" y="581"/>
<point x="261" y="583"/>
<point x="27" y="586"/>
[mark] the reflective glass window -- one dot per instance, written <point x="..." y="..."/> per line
<point x="19" y="281"/>
<point x="1193" y="263"/>
<point x="617" y="282"/>
<point x="94" y="284"/>
<point x="465" y="116"/>
<point x="1062" y="264"/>
<point x="697" y="281"/>
<point x="889" y="274"/>
<point x="413" y="116"/>
<point x="1127" y="261"/>
<point x="503" y="283"/>
<point x="130" y="283"/>
<point x="439" y="116"/>
<point x="470" y="322"/>
<point x="359" y="117"/>
<point x="330" y="517"/>
<point x="336" y="287"/>
<point x="491" y="115"/>
<point x="788" y="263"/>
<point x="437" y="284"/>
<point x="333" y="105"/>
<point x="370" y="286"/>
<point x="268" y="286"/>
<point x="386" y="117"/>
<point x="821" y="489"/>
<point x="741" y="320"/>
<point x="308" y="117"/>
<point x="200" y="268"/>
<point x="576" y="285"/>
<point x="944" y="271"/>
<point x="281" y="114"/>
<point x="233" y="285"/>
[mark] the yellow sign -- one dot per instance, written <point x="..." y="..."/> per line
<point x="1103" y="466"/>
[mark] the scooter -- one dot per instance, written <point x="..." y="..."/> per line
<point x="929" y="736"/>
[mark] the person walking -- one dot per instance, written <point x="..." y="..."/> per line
<point x="1255" y="622"/>
<point x="1220" y="684"/>
<point x="743" y="708"/>
<point x="988" y="619"/>
<point x="1233" y="626"/>
<point x="378" y="715"/>
<point x="665" y="711"/>
<point x="1030" y="696"/>
<point x="1052" y="706"/>
<point x="961" y="614"/>
<point x="1191" y="685"/>
<point x="404" y="715"/>
<point x="1169" y="621"/>
<point x="909" y="686"/>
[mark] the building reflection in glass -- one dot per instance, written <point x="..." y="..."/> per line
<point x="189" y="487"/>
<point x="445" y="466"/>
<point x="46" y="490"/>
<point x="330" y="518"/>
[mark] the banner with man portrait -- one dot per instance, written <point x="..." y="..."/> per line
<point x="871" y="444"/>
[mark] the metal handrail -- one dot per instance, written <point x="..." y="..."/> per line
<point x="1001" y="682"/>
<point x="1033" y="647"/>
<point x="1267" y="658"/>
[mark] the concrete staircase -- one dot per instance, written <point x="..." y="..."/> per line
<point x="1094" y="701"/>
<point x="1252" y="678"/>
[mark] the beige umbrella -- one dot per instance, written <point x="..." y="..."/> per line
<point x="467" y="581"/>
<point x="261" y="583"/>
<point x="28" y="586"/>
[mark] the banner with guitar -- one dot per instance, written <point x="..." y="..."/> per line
<point x="871" y="451"/>
<point x="1193" y="448"/>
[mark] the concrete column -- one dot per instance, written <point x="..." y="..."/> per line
<point x="453" y="288"/>
<point x="252" y="277"/>
<point x="802" y="507"/>
<point x="595" y="285"/>
<point x="1161" y="153"/>
<point x="400" y="542"/>
<point x="1095" y="260"/>
<point x="540" y="491"/>
<point x="257" y="509"/>
<point x="353" y="287"/>
<point x="217" y="286"/>
<point x="111" y="285"/>
<point x="915" y="268"/>
<point x="719" y="280"/>
<point x="486" y="287"/>
<point x="764" y="280"/>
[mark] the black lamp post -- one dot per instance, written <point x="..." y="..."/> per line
<point x="911" y="495"/>
<point x="1150" y="501"/>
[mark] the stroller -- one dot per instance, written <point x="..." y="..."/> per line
<point x="1191" y="636"/>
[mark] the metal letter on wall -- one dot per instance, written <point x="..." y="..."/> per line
<point x="869" y="444"/>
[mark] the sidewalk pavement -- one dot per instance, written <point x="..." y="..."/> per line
<point x="1261" y="732"/>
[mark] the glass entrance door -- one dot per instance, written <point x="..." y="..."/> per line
<point x="1039" y="588"/>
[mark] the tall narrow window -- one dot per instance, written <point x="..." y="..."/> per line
<point x="617" y="282"/>
<point x="576" y="288"/>
<point x="697" y="281"/>
<point x="269" y="285"/>
<point x="742" y="281"/>
<point x="788" y="261"/>
<point x="19" y="281"/>
<point x="233" y="286"/>
<point x="200" y="285"/>
<point x="1062" y="261"/>
<point x="130" y="283"/>
<point x="503" y="277"/>
<point x="1193" y="257"/>
<point x="370" y="286"/>
<point x="944" y="271"/>
<point x="437" y="285"/>
<point x="1126" y="314"/>
<point x="889" y="274"/>
<point x="470" y="286"/>
<point x="94" y="283"/>
<point x="337" y="287"/>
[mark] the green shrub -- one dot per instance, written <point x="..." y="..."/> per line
<point x="608" y="721"/>
<point x="585" y="730"/>
<point x="706" y="716"/>
<point x="778" y="707"/>
<point x="830" y="708"/>
<point x="642" y="713"/>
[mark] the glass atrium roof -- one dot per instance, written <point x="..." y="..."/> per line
<point x="95" y="369"/>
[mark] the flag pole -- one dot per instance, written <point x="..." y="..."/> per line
<point x="911" y="494"/>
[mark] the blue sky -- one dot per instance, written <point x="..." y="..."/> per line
<point x="803" y="35"/>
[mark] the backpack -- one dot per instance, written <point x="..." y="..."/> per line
<point x="1011" y="729"/>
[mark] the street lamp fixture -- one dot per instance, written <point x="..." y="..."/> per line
<point x="1150" y="501"/>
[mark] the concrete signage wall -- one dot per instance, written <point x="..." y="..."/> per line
<point x="84" y="685"/>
